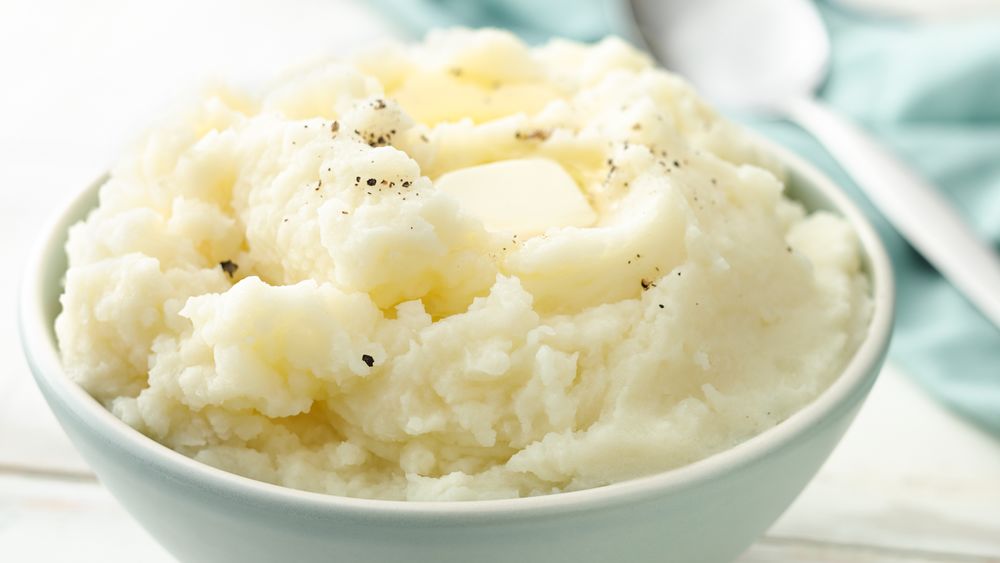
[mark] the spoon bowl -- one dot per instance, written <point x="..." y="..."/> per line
<point x="721" y="46"/>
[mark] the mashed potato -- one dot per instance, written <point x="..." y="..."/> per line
<point x="272" y="284"/>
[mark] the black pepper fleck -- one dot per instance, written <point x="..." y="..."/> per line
<point x="537" y="134"/>
<point x="371" y="181"/>
<point x="229" y="267"/>
<point x="368" y="360"/>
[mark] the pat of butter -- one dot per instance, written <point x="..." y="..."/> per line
<point x="524" y="196"/>
<point x="432" y="99"/>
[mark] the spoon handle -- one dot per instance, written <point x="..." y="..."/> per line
<point x="914" y="207"/>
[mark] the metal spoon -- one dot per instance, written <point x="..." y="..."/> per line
<point x="770" y="56"/>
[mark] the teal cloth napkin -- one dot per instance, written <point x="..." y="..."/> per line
<point x="930" y="92"/>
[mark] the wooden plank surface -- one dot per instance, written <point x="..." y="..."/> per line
<point x="909" y="475"/>
<point x="771" y="550"/>
<point x="68" y="520"/>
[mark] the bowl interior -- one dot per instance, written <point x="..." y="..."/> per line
<point x="53" y="269"/>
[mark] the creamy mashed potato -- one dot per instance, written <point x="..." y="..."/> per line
<point x="273" y="285"/>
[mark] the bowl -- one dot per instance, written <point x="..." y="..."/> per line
<point x="710" y="510"/>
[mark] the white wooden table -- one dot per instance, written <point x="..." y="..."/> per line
<point x="910" y="482"/>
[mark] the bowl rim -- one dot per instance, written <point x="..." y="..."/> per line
<point x="854" y="381"/>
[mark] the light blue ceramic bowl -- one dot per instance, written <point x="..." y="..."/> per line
<point x="708" y="511"/>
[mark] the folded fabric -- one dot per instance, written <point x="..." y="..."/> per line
<point x="929" y="91"/>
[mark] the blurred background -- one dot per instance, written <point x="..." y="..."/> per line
<point x="916" y="479"/>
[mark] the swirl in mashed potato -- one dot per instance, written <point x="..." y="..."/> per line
<point x="273" y="285"/>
